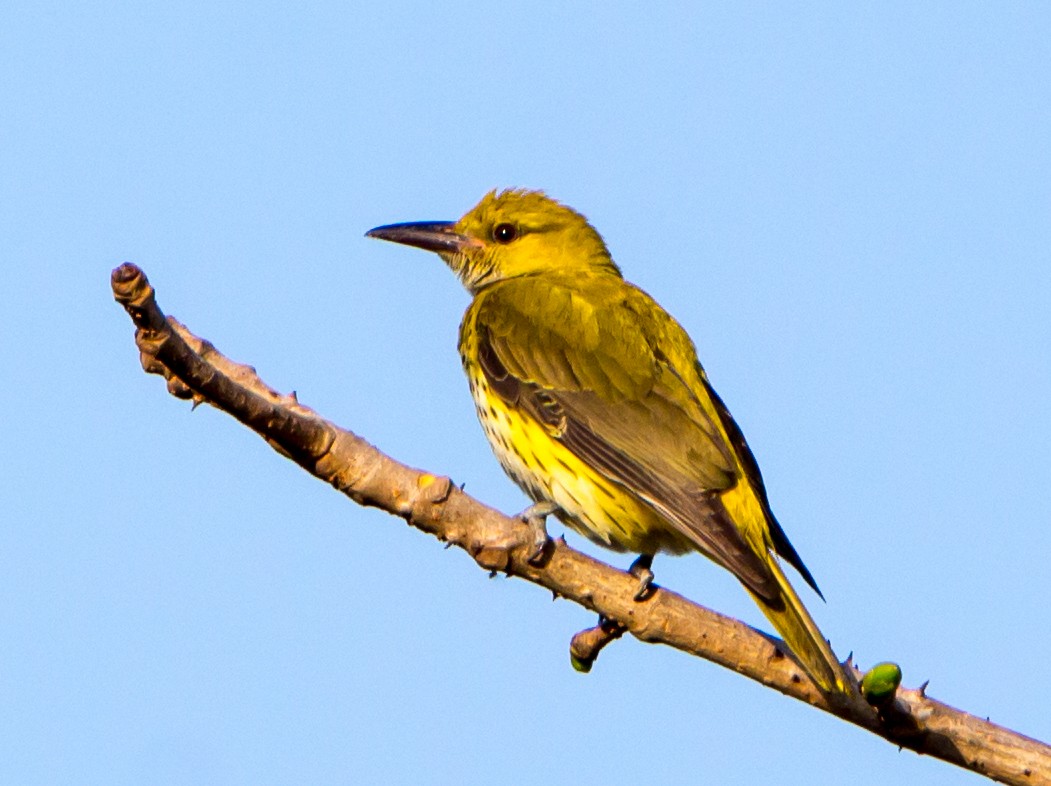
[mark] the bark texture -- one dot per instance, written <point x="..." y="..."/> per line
<point x="196" y="370"/>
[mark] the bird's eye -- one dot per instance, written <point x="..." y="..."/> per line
<point x="504" y="233"/>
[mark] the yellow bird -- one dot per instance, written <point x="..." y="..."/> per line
<point x="594" y="402"/>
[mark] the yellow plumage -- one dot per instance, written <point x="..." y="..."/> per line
<point x="590" y="503"/>
<point x="593" y="399"/>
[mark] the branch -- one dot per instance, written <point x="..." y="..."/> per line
<point x="195" y="370"/>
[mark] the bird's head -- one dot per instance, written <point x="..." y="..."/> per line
<point x="508" y="234"/>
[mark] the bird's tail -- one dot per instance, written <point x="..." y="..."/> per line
<point x="800" y="632"/>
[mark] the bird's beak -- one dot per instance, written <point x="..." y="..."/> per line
<point x="437" y="236"/>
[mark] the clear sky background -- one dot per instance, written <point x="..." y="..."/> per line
<point x="849" y="210"/>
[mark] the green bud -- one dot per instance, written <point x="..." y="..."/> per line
<point x="880" y="683"/>
<point x="580" y="665"/>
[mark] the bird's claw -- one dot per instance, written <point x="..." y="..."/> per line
<point x="641" y="570"/>
<point x="535" y="516"/>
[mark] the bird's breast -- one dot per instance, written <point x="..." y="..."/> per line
<point x="595" y="506"/>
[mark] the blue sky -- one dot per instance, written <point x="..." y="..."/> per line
<point x="849" y="209"/>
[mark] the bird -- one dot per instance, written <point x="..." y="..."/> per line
<point x="594" y="401"/>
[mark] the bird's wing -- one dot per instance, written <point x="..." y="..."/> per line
<point x="600" y="372"/>
<point x="781" y="544"/>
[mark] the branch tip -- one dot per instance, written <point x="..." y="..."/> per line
<point x="586" y="645"/>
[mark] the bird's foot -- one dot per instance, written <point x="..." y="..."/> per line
<point x="641" y="569"/>
<point x="535" y="516"/>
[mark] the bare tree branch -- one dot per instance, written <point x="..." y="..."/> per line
<point x="196" y="370"/>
